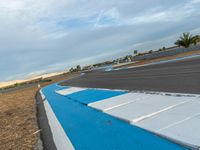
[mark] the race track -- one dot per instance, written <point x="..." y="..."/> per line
<point x="123" y="119"/>
<point x="181" y="76"/>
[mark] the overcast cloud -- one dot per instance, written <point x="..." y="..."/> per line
<point x="38" y="36"/>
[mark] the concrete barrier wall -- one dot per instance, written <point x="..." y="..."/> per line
<point x="168" y="52"/>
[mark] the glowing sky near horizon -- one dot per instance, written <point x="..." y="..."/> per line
<point x="38" y="36"/>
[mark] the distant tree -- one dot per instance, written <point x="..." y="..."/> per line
<point x="198" y="38"/>
<point x="16" y="84"/>
<point x="71" y="70"/>
<point x="78" y="68"/>
<point x="151" y="51"/>
<point x="135" y="52"/>
<point x="164" y="48"/>
<point x="186" y="40"/>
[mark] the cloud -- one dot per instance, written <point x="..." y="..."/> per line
<point x="43" y="36"/>
<point x="173" y="14"/>
<point x="107" y="18"/>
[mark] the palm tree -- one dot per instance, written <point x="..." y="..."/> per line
<point x="186" y="40"/>
<point x="198" y="38"/>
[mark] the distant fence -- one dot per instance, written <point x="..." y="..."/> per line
<point x="167" y="52"/>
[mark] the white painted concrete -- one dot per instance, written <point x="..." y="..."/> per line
<point x="176" y="117"/>
<point x="117" y="101"/>
<point x="42" y="95"/>
<point x="170" y="117"/>
<point x="69" y="90"/>
<point x="187" y="131"/>
<point x="146" y="107"/>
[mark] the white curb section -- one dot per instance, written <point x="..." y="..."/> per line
<point x="69" y="90"/>
<point x="42" y="95"/>
<point x="117" y="101"/>
<point x="176" y="117"/>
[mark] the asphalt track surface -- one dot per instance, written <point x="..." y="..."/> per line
<point x="181" y="76"/>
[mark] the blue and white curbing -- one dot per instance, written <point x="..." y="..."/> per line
<point x="140" y="108"/>
<point x="174" y="117"/>
<point x="61" y="140"/>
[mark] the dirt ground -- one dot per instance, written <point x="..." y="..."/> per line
<point x="18" y="122"/>
<point x="157" y="59"/>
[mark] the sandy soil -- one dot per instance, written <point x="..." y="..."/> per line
<point x="9" y="83"/>
<point x="18" y="121"/>
<point x="157" y="59"/>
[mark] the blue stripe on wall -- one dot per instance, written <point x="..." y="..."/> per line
<point x="89" y="129"/>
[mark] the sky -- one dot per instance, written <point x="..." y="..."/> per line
<point x="40" y="36"/>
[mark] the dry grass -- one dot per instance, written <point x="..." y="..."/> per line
<point x="18" y="121"/>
